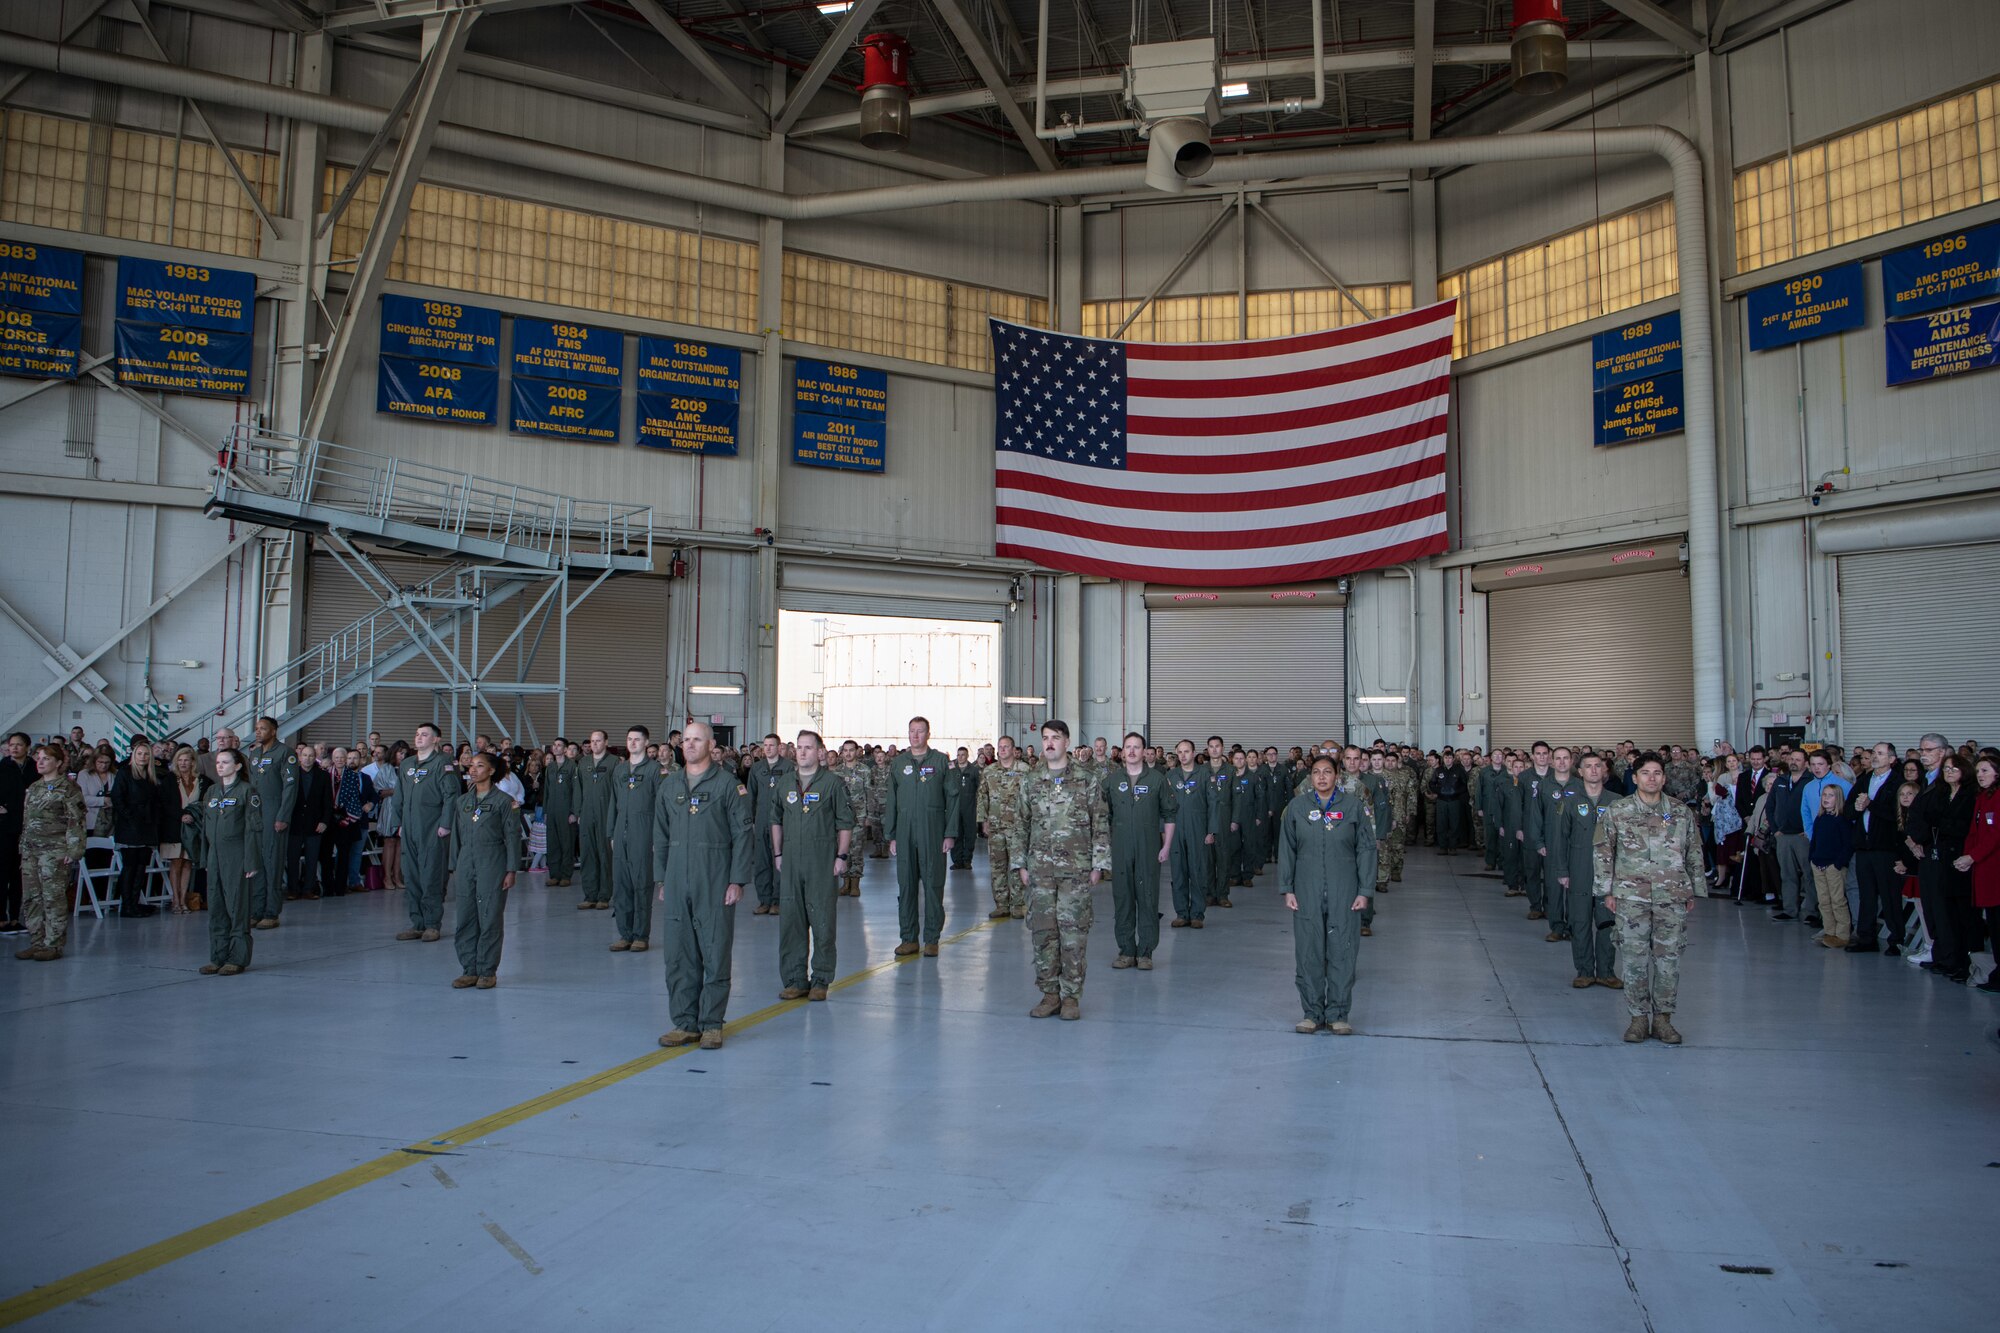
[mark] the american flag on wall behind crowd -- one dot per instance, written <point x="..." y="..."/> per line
<point x="1224" y="464"/>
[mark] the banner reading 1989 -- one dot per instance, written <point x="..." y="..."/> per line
<point x="1636" y="380"/>
<point x="184" y="328"/>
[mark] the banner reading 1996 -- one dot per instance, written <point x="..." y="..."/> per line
<point x="184" y="328"/>
<point x="1950" y="270"/>
<point x="41" y="303"/>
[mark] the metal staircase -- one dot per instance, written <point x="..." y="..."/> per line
<point x="502" y="540"/>
<point x="317" y="486"/>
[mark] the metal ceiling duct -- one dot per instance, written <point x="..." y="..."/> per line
<point x="1177" y="151"/>
<point x="885" y="92"/>
<point x="1541" y="48"/>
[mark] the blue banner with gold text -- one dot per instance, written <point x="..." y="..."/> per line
<point x="1952" y="269"/>
<point x="442" y="391"/>
<point x="40" y="277"/>
<point x="1942" y="343"/>
<point x="563" y="410"/>
<point x="1813" y="305"/>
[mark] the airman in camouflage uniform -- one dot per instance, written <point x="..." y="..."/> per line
<point x="1066" y="850"/>
<point x="878" y="788"/>
<point x="1684" y="777"/>
<point x="999" y="814"/>
<point x="1402" y="809"/>
<point x="52" y="837"/>
<point x="1647" y="868"/>
<point x="858" y="777"/>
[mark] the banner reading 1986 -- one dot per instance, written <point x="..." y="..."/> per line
<point x="840" y="416"/>
<point x="689" y="396"/>
<point x="41" y="304"/>
<point x="184" y="328"/>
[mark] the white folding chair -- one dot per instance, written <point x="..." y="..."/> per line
<point x="87" y="895"/>
<point x="158" y="889"/>
<point x="538" y="846"/>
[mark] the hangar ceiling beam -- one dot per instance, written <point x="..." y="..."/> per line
<point x="994" y="76"/>
<point x="1656" y="20"/>
<point x="837" y="46"/>
<point x="207" y="126"/>
<point x="446" y="41"/>
<point x="76" y="25"/>
<point x="1423" y="67"/>
<point x="407" y="13"/>
<point x="697" y="55"/>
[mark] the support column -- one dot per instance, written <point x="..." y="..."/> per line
<point x="1429" y="724"/>
<point x="761" y="707"/>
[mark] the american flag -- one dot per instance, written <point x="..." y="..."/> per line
<point x="1223" y="464"/>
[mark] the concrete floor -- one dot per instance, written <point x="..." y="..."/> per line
<point x="917" y="1153"/>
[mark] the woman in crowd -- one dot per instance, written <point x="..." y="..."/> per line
<point x="184" y="797"/>
<point x="226" y="843"/>
<point x="485" y="849"/>
<point x="1940" y="823"/>
<point x="53" y="825"/>
<point x="1832" y="847"/>
<point x="531" y="785"/>
<point x="1981" y="860"/>
<point x="384" y="772"/>
<point x="1727" y="822"/>
<point x="94" y="780"/>
<point x="1326" y="870"/>
<point x="137" y="799"/>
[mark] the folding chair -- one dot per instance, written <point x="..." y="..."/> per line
<point x="538" y="846"/>
<point x="86" y="888"/>
<point x="158" y="889"/>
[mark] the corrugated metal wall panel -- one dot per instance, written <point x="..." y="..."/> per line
<point x="1857" y="62"/>
<point x="1254" y="675"/>
<point x="1526" y="463"/>
<point x="1914" y="627"/>
<point x="1594" y="662"/>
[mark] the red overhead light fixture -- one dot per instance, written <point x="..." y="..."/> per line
<point x="885" y="92"/>
<point x="1541" y="50"/>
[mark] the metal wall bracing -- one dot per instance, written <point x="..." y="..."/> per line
<point x="1592" y="661"/>
<point x="1247" y="668"/>
<point x="1915" y="627"/>
<point x="617" y="657"/>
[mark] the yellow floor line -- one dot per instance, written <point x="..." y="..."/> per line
<point x="88" y="1282"/>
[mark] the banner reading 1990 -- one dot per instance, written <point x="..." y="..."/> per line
<point x="1813" y="305"/>
<point x="41" y="304"/>
<point x="440" y="361"/>
<point x="184" y="328"/>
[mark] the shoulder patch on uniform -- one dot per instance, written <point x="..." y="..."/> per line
<point x="742" y="790"/>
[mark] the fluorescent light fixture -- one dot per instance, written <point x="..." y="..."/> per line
<point x="1380" y="699"/>
<point x="1235" y="90"/>
<point x="1025" y="699"/>
<point x="715" y="689"/>
<point x="838" y="7"/>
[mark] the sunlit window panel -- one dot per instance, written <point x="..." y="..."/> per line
<point x="1924" y="163"/>
<point x="47" y="163"/>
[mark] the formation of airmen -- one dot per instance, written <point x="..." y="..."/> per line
<point x="1602" y="847"/>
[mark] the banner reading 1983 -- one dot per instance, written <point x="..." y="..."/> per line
<point x="184" y="328"/>
<point x="41" y="304"/>
<point x="440" y="362"/>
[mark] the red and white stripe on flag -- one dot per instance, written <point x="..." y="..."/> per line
<point x="1276" y="461"/>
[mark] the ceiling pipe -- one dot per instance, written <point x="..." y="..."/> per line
<point x="1680" y="155"/>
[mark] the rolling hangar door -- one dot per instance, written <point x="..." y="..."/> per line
<point x="617" y="657"/>
<point x="1262" y="666"/>
<point x="1914" y="625"/>
<point x="1590" y="647"/>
